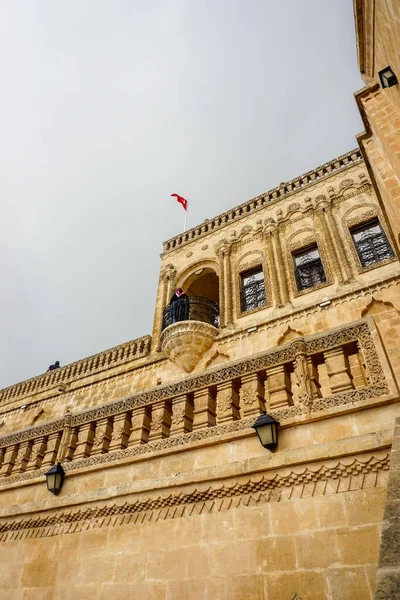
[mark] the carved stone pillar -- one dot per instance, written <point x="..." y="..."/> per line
<point x="282" y="273"/>
<point x="337" y="364"/>
<point x="141" y="423"/>
<point x="227" y="402"/>
<point x="102" y="438"/>
<point x="9" y="460"/>
<point x="37" y="454"/>
<point x="121" y="431"/>
<point x="333" y="254"/>
<point x="53" y="445"/>
<point x="343" y="259"/>
<point x="22" y="459"/>
<point x="182" y="415"/>
<point x="305" y="374"/>
<point x="252" y="395"/>
<point x="279" y="391"/>
<point x="221" y="263"/>
<point x="167" y="279"/>
<point x="85" y="441"/>
<point x="204" y="409"/>
<point x="225" y="287"/>
<point x="160" y="420"/>
<point x="271" y="262"/>
<point x="314" y="379"/>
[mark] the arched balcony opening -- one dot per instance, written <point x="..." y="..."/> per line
<point x="199" y="303"/>
<point x="191" y="321"/>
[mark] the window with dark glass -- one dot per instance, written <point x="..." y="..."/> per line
<point x="253" y="289"/>
<point x="308" y="268"/>
<point x="371" y="243"/>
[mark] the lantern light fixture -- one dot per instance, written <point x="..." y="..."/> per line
<point x="55" y="479"/>
<point x="267" y="431"/>
<point x="387" y="77"/>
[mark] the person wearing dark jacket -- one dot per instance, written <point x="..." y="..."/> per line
<point x="55" y="366"/>
<point x="178" y="306"/>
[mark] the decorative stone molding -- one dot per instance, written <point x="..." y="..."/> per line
<point x="290" y="187"/>
<point x="185" y="342"/>
<point x="315" y="480"/>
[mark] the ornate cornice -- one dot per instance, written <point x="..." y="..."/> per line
<point x="298" y="183"/>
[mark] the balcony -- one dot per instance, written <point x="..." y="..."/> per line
<point x="189" y="328"/>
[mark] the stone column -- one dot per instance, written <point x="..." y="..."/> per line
<point x="337" y="365"/>
<point x="141" y="423"/>
<point x="85" y="441"/>
<point x="160" y="420"/>
<point x="37" y="454"/>
<point x="343" y="259"/>
<point x="252" y="395"/>
<point x="279" y="391"/>
<point x="53" y="446"/>
<point x="225" y="284"/>
<point x="314" y="379"/>
<point x="182" y="415"/>
<point x="271" y="261"/>
<point x="282" y="273"/>
<point x="10" y="457"/>
<point x="22" y="459"/>
<point x="227" y="402"/>
<point x="102" y="438"/>
<point x="204" y="409"/>
<point x="334" y="258"/>
<point x="121" y="431"/>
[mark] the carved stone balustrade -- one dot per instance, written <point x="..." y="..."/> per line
<point x="347" y="363"/>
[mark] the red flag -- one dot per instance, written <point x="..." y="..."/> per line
<point x="181" y="200"/>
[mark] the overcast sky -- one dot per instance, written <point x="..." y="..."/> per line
<point x="109" y="106"/>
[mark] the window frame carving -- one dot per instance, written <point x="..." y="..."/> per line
<point x="372" y="212"/>
<point x="241" y="267"/>
<point x="293" y="247"/>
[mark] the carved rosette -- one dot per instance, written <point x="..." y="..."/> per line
<point x="185" y="342"/>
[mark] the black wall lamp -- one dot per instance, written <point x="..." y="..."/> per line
<point x="55" y="479"/>
<point x="387" y="77"/>
<point x="267" y="431"/>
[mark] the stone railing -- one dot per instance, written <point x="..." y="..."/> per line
<point x="209" y="225"/>
<point x="76" y="370"/>
<point x="308" y="375"/>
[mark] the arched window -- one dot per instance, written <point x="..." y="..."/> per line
<point x="252" y="293"/>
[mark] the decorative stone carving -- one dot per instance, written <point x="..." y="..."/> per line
<point x="185" y="342"/>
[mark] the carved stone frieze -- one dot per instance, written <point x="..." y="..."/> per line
<point x="366" y="471"/>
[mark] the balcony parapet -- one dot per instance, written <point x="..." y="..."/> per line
<point x="108" y="359"/>
<point x="290" y="187"/>
<point x="311" y="377"/>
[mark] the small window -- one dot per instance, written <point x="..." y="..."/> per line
<point x="253" y="289"/>
<point x="371" y="243"/>
<point x="308" y="268"/>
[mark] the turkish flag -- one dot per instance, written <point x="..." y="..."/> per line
<point x="181" y="200"/>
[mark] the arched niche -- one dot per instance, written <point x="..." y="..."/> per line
<point x="202" y="280"/>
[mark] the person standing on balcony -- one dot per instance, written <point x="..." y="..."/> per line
<point x="179" y="306"/>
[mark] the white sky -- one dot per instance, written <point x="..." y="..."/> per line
<point x="108" y="107"/>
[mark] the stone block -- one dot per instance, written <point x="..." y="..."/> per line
<point x="164" y="566"/>
<point x="123" y="540"/>
<point x="252" y="522"/>
<point x="316" y="550"/>
<point x="330" y="511"/>
<point x="233" y="559"/>
<point x="284" y="518"/>
<point x="358" y="546"/>
<point x="128" y="567"/>
<point x="308" y="585"/>
<point x="387" y="584"/>
<point x="365" y="506"/>
<point x="39" y="574"/>
<point x="92" y="542"/>
<point x="276" y="554"/>
<point x="348" y="584"/>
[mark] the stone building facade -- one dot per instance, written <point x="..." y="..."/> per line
<point x="293" y="308"/>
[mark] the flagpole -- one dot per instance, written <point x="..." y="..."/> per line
<point x="186" y="212"/>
